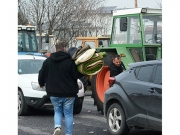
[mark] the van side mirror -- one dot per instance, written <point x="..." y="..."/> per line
<point x="47" y="38"/>
<point x="123" y="24"/>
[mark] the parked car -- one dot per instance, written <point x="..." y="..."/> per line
<point x="135" y="98"/>
<point x="30" y="95"/>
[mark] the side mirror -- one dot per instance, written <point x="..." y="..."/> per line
<point x="123" y="24"/>
<point x="47" y="38"/>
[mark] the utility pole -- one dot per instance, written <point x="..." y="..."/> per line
<point x="135" y="3"/>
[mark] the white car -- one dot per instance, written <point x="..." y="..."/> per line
<point x="30" y="95"/>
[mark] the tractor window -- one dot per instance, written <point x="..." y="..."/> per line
<point x="152" y="29"/>
<point x="134" y="31"/>
<point x="131" y="36"/>
<point x="151" y="53"/>
<point x="118" y="37"/>
<point x="137" y="54"/>
<point x="91" y="44"/>
<point x="103" y="43"/>
<point x="79" y="43"/>
<point x="20" y="42"/>
<point x="27" y="41"/>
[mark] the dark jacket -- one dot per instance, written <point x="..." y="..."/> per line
<point x="115" y="70"/>
<point x="59" y="74"/>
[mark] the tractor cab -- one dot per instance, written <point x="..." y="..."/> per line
<point x="136" y="34"/>
<point x="93" y="42"/>
<point x="27" y="41"/>
<point x="140" y="31"/>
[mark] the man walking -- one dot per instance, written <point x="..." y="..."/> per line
<point x="59" y="74"/>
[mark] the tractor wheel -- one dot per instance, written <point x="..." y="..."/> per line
<point x="99" y="82"/>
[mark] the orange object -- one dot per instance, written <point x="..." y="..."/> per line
<point x="102" y="82"/>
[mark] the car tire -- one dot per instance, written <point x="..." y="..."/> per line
<point x="22" y="106"/>
<point x="77" y="109"/>
<point x="78" y="105"/>
<point x="116" y="120"/>
<point x="84" y="80"/>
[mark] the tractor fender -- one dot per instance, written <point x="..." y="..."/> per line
<point x="99" y="82"/>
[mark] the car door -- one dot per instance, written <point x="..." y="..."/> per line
<point x="136" y="88"/>
<point x="154" y="99"/>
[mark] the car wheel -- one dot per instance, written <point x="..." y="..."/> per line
<point x="84" y="80"/>
<point x="77" y="109"/>
<point x="78" y="103"/>
<point x="116" y="120"/>
<point x="22" y="106"/>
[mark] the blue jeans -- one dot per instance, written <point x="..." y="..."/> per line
<point x="63" y="105"/>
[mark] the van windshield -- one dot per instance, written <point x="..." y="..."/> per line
<point x="29" y="66"/>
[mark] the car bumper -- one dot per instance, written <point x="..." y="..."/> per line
<point x="39" y="99"/>
<point x="43" y="102"/>
<point x="29" y="92"/>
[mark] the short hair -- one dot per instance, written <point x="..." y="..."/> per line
<point x="60" y="45"/>
<point x="116" y="56"/>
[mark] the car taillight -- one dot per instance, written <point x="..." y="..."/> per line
<point x="111" y="81"/>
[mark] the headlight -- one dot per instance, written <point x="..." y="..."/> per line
<point x="36" y="86"/>
<point x="79" y="85"/>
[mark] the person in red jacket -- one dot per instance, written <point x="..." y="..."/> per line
<point x="59" y="74"/>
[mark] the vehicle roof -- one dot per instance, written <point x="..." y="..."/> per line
<point x="30" y="57"/>
<point x="135" y="11"/>
<point x="136" y="64"/>
<point x="23" y="27"/>
<point x="91" y="38"/>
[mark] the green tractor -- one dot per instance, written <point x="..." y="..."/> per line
<point x="136" y="36"/>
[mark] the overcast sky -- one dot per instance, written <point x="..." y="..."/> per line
<point x="130" y="3"/>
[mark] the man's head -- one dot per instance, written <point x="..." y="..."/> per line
<point x="117" y="60"/>
<point x="60" y="46"/>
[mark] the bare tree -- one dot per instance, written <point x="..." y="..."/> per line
<point x="66" y="18"/>
<point x="36" y="12"/>
<point x="22" y="19"/>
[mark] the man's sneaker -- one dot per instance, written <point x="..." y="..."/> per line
<point x="57" y="131"/>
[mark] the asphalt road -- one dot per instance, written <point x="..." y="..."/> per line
<point x="89" y="121"/>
